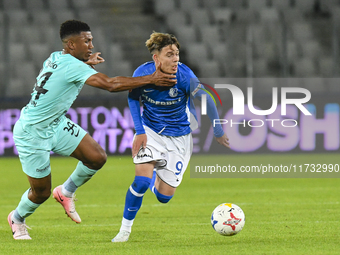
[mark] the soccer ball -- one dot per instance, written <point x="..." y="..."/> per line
<point x="228" y="219"/>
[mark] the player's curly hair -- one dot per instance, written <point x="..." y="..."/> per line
<point x="157" y="41"/>
<point x="72" y="27"/>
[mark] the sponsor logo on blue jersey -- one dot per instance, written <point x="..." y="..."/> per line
<point x="173" y="92"/>
<point x="150" y="100"/>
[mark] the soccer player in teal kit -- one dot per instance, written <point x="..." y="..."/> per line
<point x="43" y="127"/>
<point x="162" y="145"/>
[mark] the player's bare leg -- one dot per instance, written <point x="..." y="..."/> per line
<point x="91" y="158"/>
<point x="38" y="193"/>
<point x="164" y="188"/>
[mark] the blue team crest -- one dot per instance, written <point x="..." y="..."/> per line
<point x="173" y="92"/>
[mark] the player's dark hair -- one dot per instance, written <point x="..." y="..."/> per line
<point x="72" y="27"/>
<point x="157" y="41"/>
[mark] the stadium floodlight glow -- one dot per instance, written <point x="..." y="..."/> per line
<point x="238" y="100"/>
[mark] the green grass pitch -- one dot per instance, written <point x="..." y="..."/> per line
<point x="283" y="216"/>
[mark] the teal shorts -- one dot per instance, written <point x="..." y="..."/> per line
<point x="34" y="151"/>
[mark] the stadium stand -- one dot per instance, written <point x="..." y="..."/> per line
<point x="189" y="5"/>
<point x="197" y="52"/>
<point x="305" y="6"/>
<point x="281" y="5"/>
<point x="186" y="34"/>
<point x="17" y="17"/>
<point x="222" y="15"/>
<point x="32" y="5"/>
<point x="40" y="19"/>
<point x="243" y="38"/>
<point x="81" y="5"/>
<point x="269" y="15"/>
<point x="326" y="66"/>
<point x="11" y="5"/>
<point x="257" y="5"/>
<point x="39" y="52"/>
<point x="162" y="7"/>
<point x="17" y="52"/>
<point x="236" y="4"/>
<point x="210" y="4"/>
<point x="176" y="18"/>
<point x="219" y="52"/>
<point x="15" y="88"/>
<point x="200" y="17"/>
<point x="209" y="69"/>
<point x="58" y="6"/>
<point x="62" y="15"/>
<point x="305" y="67"/>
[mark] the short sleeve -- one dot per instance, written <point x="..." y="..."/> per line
<point x="79" y="72"/>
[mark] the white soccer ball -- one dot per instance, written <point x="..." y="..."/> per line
<point x="228" y="219"/>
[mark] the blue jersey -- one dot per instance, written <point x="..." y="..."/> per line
<point x="168" y="111"/>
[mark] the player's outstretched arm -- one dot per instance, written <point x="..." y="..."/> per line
<point x="223" y="140"/>
<point x="220" y="136"/>
<point x="121" y="83"/>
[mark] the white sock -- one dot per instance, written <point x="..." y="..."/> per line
<point x="15" y="220"/>
<point x="65" y="192"/>
<point x="126" y="225"/>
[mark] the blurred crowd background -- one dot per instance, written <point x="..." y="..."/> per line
<point x="219" y="38"/>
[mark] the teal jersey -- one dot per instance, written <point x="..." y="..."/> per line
<point x="57" y="86"/>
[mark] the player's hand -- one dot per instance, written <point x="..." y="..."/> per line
<point x="95" y="59"/>
<point x="138" y="143"/>
<point x="223" y="140"/>
<point x="162" y="79"/>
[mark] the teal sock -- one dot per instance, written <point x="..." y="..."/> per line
<point x="26" y="207"/>
<point x="81" y="174"/>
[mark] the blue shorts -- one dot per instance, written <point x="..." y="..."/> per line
<point x="34" y="151"/>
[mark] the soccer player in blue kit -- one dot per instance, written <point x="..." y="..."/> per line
<point x="43" y="127"/>
<point x="162" y="144"/>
